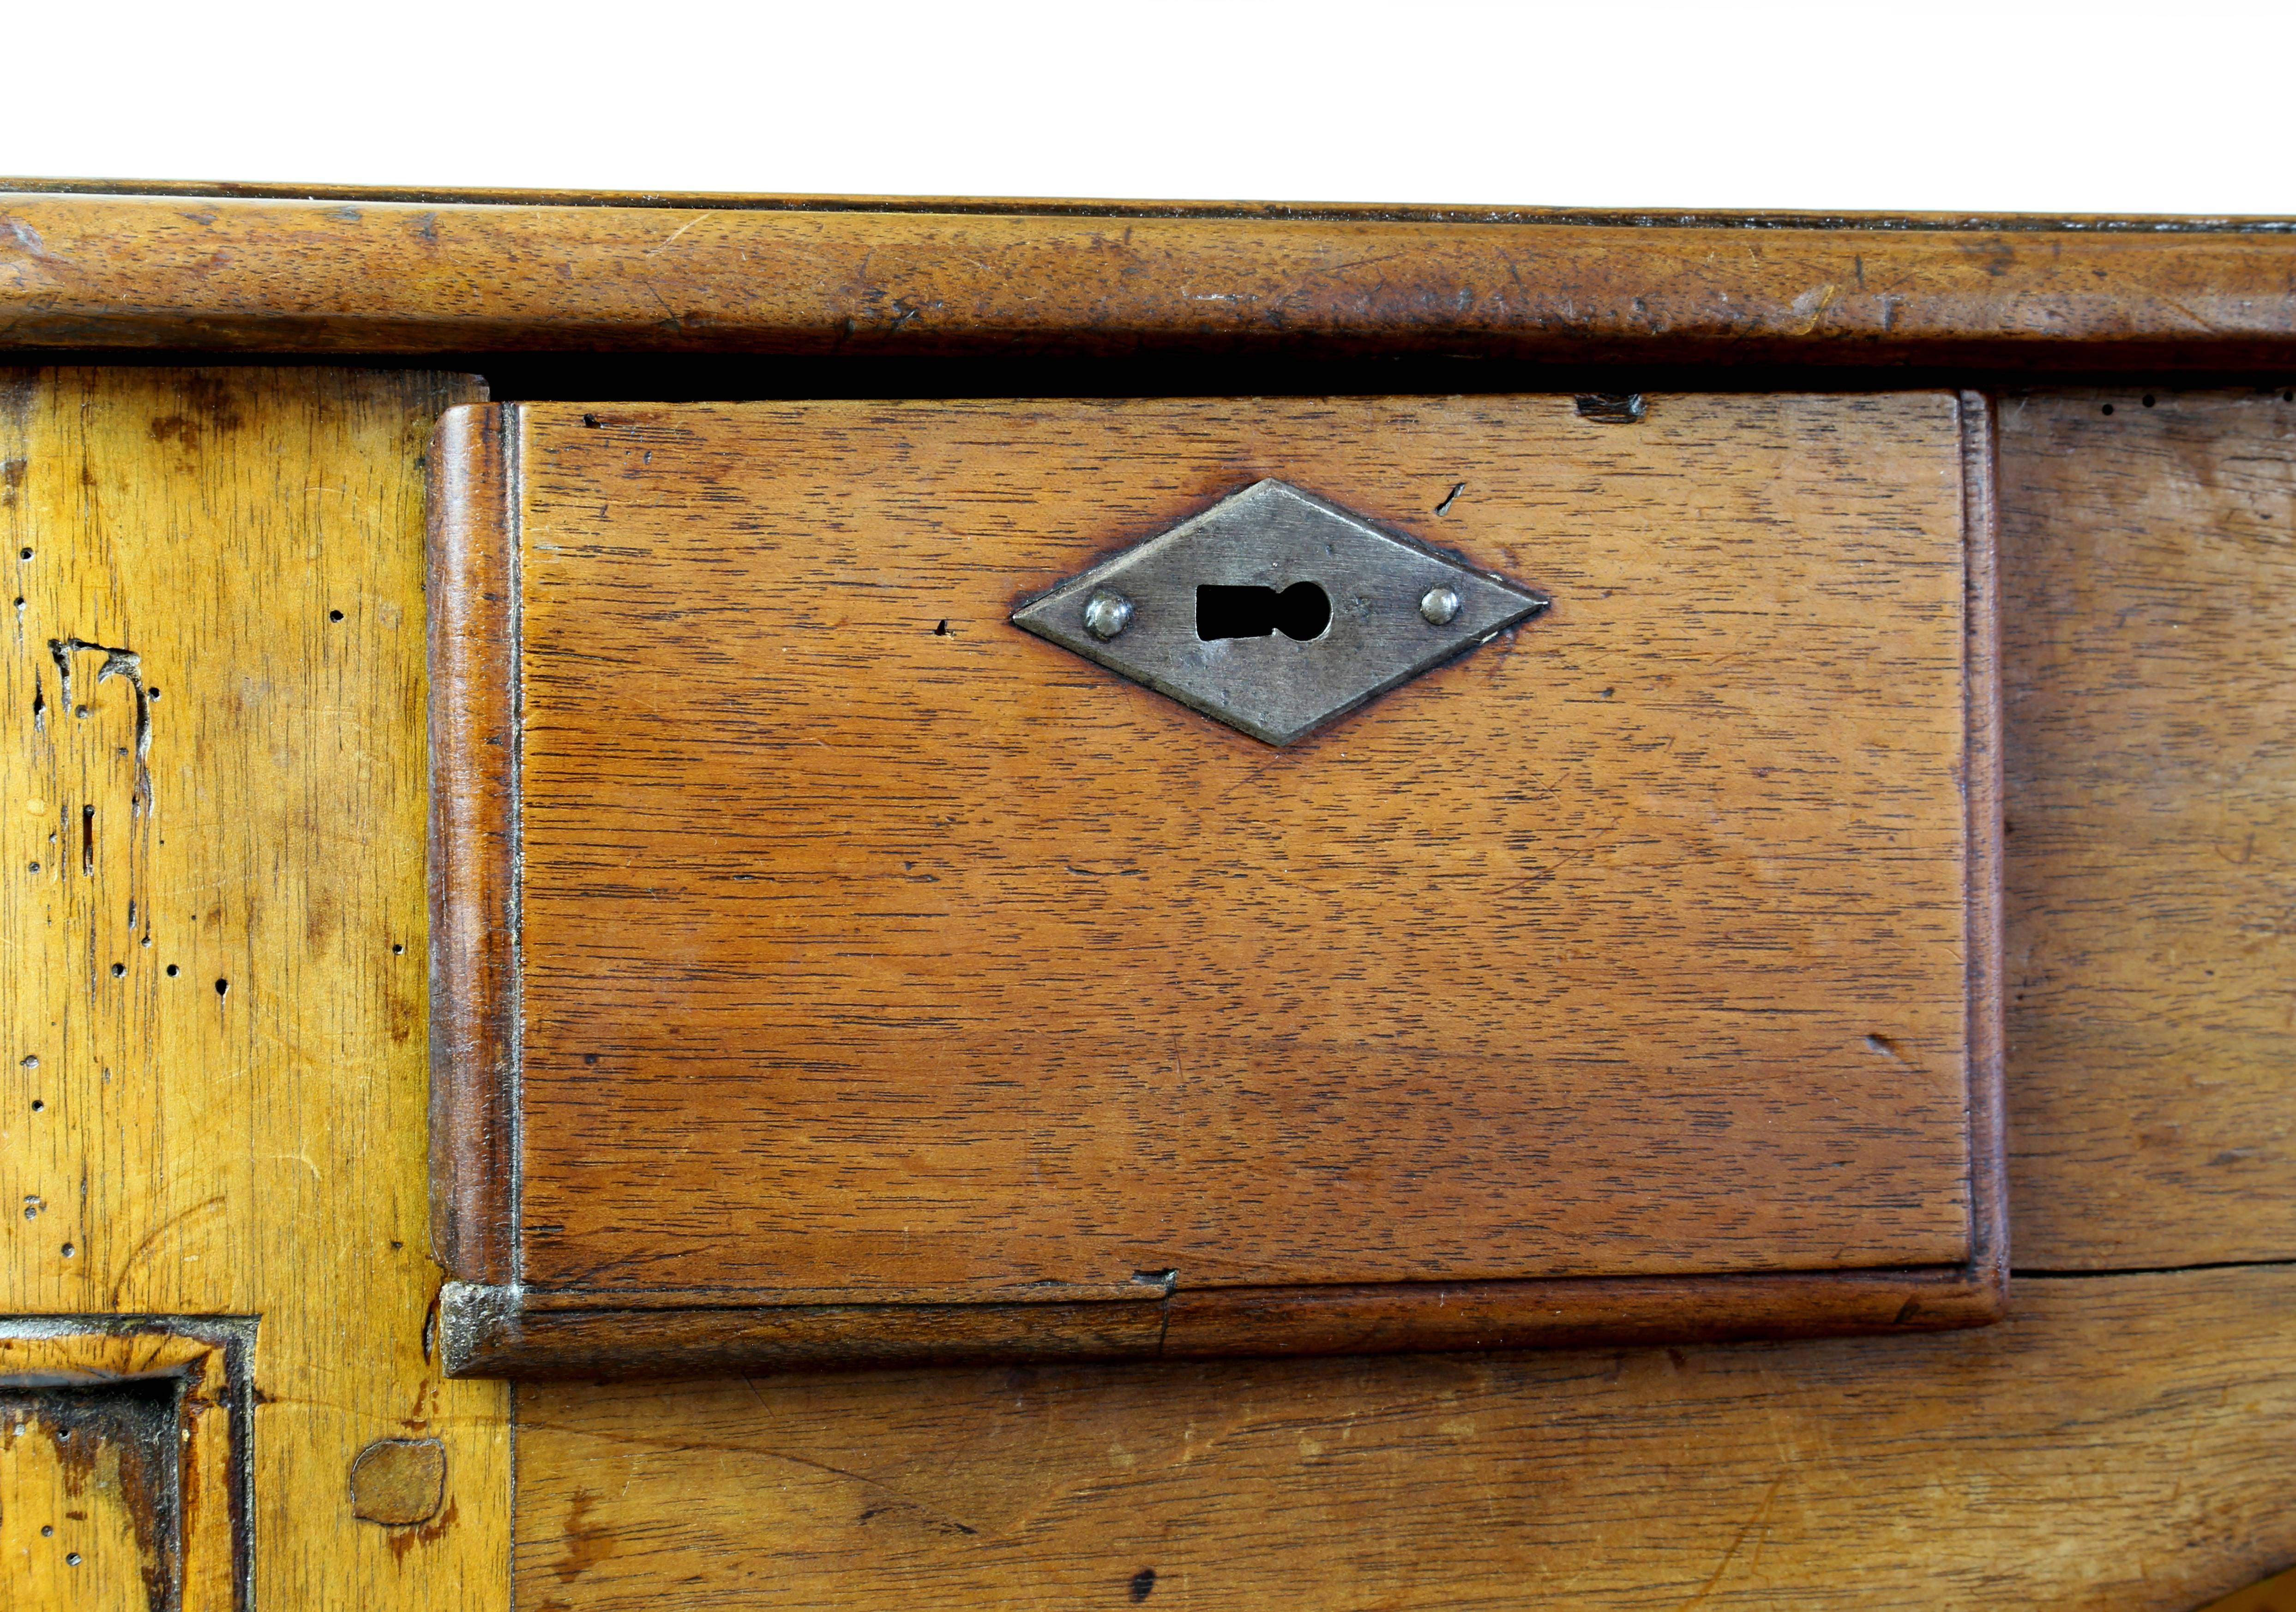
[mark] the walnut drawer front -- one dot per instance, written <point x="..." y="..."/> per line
<point x="827" y="970"/>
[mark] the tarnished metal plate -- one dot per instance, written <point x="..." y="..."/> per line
<point x="1277" y="611"/>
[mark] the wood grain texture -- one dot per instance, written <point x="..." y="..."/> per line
<point x="223" y="273"/>
<point x="2149" y="573"/>
<point x="876" y="950"/>
<point x="2117" y="1442"/>
<point x="213" y="914"/>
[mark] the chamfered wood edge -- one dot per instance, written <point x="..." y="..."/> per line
<point x="1153" y="208"/>
<point x="1982" y="782"/>
<point x="276" y="275"/>
<point x="472" y="586"/>
<point x="491" y="1332"/>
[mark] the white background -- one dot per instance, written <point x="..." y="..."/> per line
<point x="2012" y="105"/>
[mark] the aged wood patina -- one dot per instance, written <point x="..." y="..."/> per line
<point x="256" y="1153"/>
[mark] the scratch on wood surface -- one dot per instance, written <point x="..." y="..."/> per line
<point x="671" y="239"/>
<point x="941" y="1519"/>
<point x="151" y="1240"/>
<point x="1811" y="306"/>
<point x="1760" y="1519"/>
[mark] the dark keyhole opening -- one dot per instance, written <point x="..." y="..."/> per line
<point x="1301" y="611"/>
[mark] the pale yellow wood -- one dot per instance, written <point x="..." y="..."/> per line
<point x="67" y="1529"/>
<point x="257" y="1148"/>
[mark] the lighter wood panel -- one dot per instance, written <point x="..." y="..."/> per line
<point x="873" y="944"/>
<point x="2118" y="1443"/>
<point x="212" y="908"/>
<point x="2149" y="676"/>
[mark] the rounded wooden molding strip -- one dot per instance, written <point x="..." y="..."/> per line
<point x="362" y="273"/>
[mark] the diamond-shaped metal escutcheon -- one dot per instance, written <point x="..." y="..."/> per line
<point x="1177" y="613"/>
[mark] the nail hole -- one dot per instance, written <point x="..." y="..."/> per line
<point x="941" y="631"/>
<point x="589" y="1058"/>
<point x="69" y="1253"/>
<point x="335" y="615"/>
<point x="173" y="971"/>
<point x="2148" y="400"/>
<point x="117" y="969"/>
<point x="223" y="987"/>
<point x="35" y="866"/>
<point x="38" y="1105"/>
<point x="71" y="1558"/>
<point x="150" y="693"/>
<point x="24" y="554"/>
<point x="1301" y="612"/>
<point x="47" y="1531"/>
<point x="2108" y="408"/>
<point x="396" y="951"/>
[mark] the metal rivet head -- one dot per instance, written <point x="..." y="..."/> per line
<point x="1107" y="614"/>
<point x="1438" y="606"/>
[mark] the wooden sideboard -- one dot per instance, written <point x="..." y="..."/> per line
<point x="222" y="1351"/>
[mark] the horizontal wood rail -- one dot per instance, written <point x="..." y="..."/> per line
<point x="356" y="273"/>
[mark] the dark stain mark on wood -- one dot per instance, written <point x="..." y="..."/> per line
<point x="124" y="664"/>
<point x="1143" y="1581"/>
<point x="403" y="1540"/>
<point x="587" y="1545"/>
<point x="1609" y="408"/>
<point x="121" y="1435"/>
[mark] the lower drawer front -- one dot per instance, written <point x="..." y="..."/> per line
<point x="832" y="968"/>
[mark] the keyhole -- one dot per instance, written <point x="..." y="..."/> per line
<point x="1301" y="611"/>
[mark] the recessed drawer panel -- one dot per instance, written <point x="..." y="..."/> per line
<point x="998" y="879"/>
